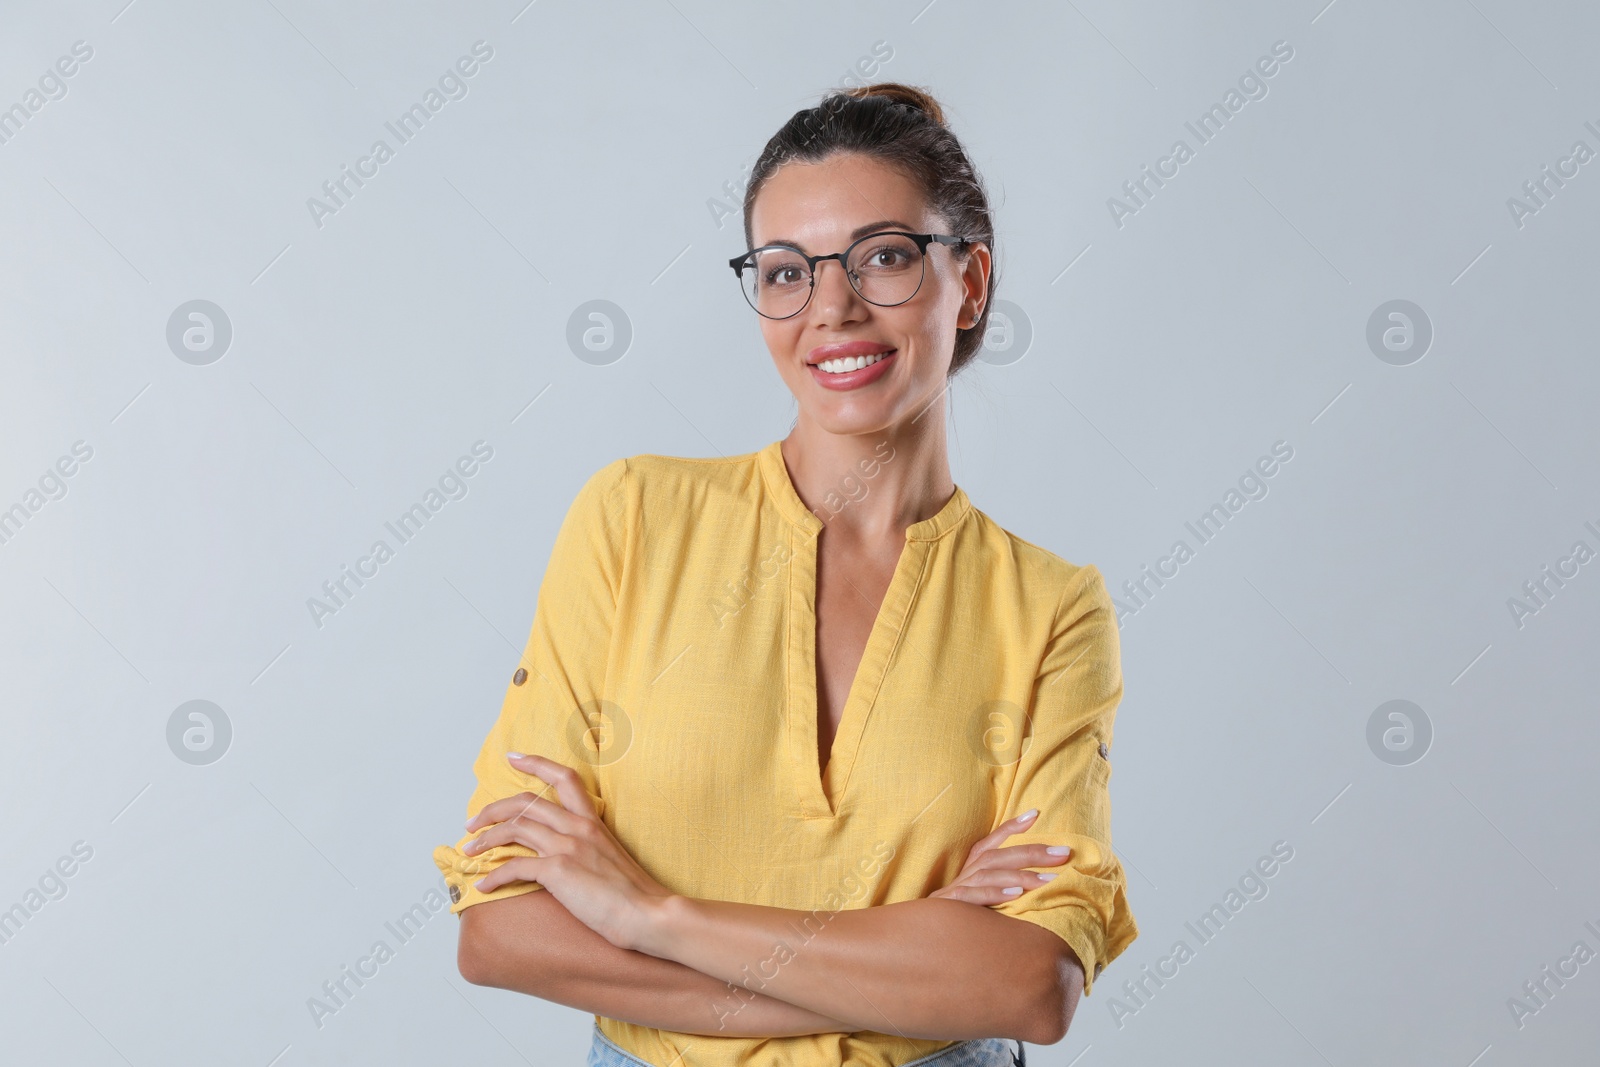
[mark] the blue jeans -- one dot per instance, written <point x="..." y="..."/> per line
<point x="978" y="1052"/>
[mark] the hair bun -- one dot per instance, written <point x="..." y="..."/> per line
<point x="909" y="95"/>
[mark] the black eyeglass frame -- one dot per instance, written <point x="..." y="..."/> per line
<point x="739" y="263"/>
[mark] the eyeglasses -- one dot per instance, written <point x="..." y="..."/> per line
<point x="885" y="268"/>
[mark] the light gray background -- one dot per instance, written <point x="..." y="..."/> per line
<point x="432" y="310"/>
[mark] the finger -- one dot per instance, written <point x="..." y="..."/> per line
<point x="1034" y="855"/>
<point x="983" y="895"/>
<point x="1006" y="878"/>
<point x="1003" y="831"/>
<point x="500" y="810"/>
<point x="523" y="805"/>
<point x="521" y="869"/>
<point x="541" y="838"/>
<point x="568" y="785"/>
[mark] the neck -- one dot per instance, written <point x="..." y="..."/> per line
<point x="871" y="486"/>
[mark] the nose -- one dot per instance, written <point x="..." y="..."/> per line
<point x="828" y="297"/>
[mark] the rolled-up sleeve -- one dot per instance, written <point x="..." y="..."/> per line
<point x="553" y="704"/>
<point x="1065" y="771"/>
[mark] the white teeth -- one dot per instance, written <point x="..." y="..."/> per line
<point x="845" y="364"/>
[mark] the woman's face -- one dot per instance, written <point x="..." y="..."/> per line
<point x="821" y="208"/>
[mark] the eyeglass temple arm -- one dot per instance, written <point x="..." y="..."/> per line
<point x="738" y="262"/>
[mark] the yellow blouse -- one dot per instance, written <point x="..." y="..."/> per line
<point x="672" y="662"/>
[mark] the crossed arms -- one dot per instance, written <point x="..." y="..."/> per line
<point x="939" y="967"/>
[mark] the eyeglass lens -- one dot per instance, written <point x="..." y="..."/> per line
<point x="886" y="269"/>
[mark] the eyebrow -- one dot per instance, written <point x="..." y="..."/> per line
<point x="855" y="234"/>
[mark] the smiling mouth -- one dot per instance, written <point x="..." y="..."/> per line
<point x="846" y="364"/>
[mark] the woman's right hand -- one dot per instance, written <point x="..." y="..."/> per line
<point x="994" y="875"/>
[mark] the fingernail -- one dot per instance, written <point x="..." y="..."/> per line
<point x="1025" y="816"/>
<point x="513" y="755"/>
<point x="1012" y="891"/>
<point x="1058" y="850"/>
<point x="1046" y="875"/>
<point x="479" y="883"/>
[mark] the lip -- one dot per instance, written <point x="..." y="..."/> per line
<point x="855" y="379"/>
<point x="846" y="348"/>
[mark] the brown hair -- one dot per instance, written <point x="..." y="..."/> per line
<point x="903" y="126"/>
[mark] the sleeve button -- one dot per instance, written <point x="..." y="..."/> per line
<point x="1103" y="752"/>
<point x="520" y="677"/>
<point x="455" y="894"/>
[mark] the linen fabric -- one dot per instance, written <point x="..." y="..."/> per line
<point x="672" y="663"/>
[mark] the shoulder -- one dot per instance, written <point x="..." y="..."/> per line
<point x="666" y="475"/>
<point x="688" y="481"/>
<point x="1071" y="585"/>
<point x="603" y="491"/>
<point x="651" y="486"/>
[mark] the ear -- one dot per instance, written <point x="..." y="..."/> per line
<point x="975" y="285"/>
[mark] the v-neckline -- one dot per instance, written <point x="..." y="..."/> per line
<point x="821" y="790"/>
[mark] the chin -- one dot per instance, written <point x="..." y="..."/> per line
<point x="851" y="418"/>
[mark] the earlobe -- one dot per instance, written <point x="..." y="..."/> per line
<point x="971" y="312"/>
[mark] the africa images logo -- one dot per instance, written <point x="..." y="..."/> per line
<point x="452" y="85"/>
<point x="1211" y="122"/>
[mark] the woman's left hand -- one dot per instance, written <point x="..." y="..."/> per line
<point x="993" y="875"/>
<point x="578" y="859"/>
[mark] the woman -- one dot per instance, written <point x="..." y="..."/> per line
<point x="780" y="712"/>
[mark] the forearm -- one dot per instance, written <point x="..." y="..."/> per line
<point x="930" y="968"/>
<point x="531" y="944"/>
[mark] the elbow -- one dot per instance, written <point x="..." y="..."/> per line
<point x="525" y="944"/>
<point x="1047" y="1029"/>
<point x="487" y="953"/>
<point x="473" y="958"/>
<point x="1057" y="989"/>
<point x="1046" y="1024"/>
